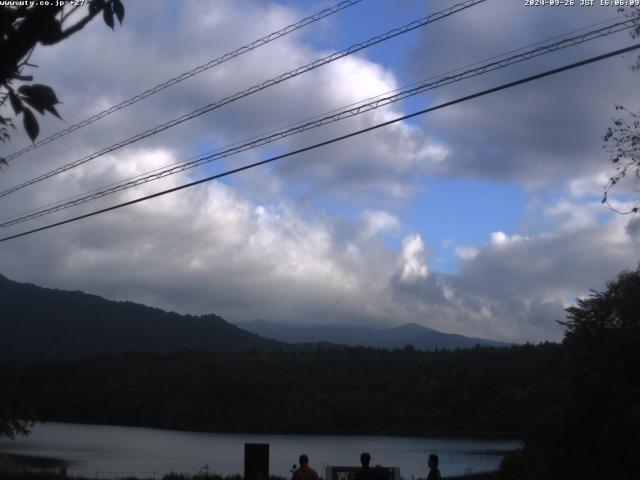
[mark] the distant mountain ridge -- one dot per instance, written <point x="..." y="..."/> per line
<point x="39" y="323"/>
<point x="418" y="336"/>
<point x="44" y="323"/>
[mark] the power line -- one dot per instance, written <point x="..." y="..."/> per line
<point x="256" y="88"/>
<point x="195" y="161"/>
<point x="191" y="73"/>
<point x="362" y="107"/>
<point x="334" y="140"/>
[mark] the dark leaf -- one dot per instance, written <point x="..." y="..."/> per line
<point x="40" y="97"/>
<point x="52" y="110"/>
<point x="107" y="14"/>
<point x="118" y="8"/>
<point x="30" y="124"/>
<point x="3" y="161"/>
<point x="43" y="95"/>
<point x="34" y="104"/>
<point x="95" y="6"/>
<point x="49" y="29"/>
<point x="15" y="101"/>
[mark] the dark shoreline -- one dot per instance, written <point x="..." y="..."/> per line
<point x="35" y="465"/>
<point x="33" y="461"/>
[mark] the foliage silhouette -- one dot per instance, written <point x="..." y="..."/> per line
<point x="591" y="429"/>
<point x="622" y="138"/>
<point x="22" y="28"/>
<point x="13" y="409"/>
<point x="483" y="391"/>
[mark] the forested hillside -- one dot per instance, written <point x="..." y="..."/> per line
<point x="43" y="323"/>
<point x="482" y="391"/>
<point x="38" y="323"/>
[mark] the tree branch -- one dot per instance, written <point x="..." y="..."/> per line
<point x="77" y="26"/>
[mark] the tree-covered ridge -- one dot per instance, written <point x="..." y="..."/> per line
<point x="43" y="323"/>
<point x="593" y="429"/>
<point x="482" y="391"/>
<point x="38" y="323"/>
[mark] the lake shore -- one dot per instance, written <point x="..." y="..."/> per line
<point x="142" y="451"/>
<point x="31" y="467"/>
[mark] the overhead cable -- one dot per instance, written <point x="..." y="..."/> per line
<point x="251" y="90"/>
<point x="191" y="73"/>
<point x="331" y="141"/>
<point x="377" y="102"/>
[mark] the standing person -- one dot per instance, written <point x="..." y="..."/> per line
<point x="367" y="473"/>
<point x="364" y="472"/>
<point x="434" y="472"/>
<point x="304" y="472"/>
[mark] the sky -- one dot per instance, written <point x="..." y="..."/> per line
<point x="482" y="219"/>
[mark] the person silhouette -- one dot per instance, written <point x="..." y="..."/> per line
<point x="304" y="471"/>
<point x="364" y="472"/>
<point x="434" y="472"/>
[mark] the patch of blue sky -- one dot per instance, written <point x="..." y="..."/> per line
<point x="205" y="146"/>
<point x="446" y="213"/>
<point x="166" y="13"/>
<point x="363" y="21"/>
<point x="397" y="55"/>
<point x="454" y="213"/>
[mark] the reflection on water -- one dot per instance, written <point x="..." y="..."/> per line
<point x="120" y="450"/>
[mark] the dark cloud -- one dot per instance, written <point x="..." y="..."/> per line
<point x="633" y="229"/>
<point x="537" y="134"/>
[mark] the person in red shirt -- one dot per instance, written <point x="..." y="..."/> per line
<point x="304" y="471"/>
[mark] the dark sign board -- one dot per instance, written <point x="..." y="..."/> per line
<point x="256" y="461"/>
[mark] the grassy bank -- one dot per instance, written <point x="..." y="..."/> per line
<point x="25" y="473"/>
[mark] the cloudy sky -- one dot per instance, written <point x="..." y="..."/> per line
<point x="482" y="219"/>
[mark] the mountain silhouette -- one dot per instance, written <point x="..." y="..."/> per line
<point x="39" y="323"/>
<point x="43" y="323"/>
<point x="418" y="336"/>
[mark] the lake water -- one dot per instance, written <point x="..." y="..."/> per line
<point x="114" y="451"/>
